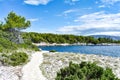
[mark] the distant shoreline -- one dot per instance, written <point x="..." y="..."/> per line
<point x="81" y="44"/>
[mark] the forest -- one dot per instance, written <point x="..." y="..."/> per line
<point x="64" y="38"/>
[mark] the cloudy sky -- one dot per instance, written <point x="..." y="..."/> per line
<point x="79" y="17"/>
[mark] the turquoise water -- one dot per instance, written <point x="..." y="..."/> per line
<point x="113" y="51"/>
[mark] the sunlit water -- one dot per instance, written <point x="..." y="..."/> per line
<point x="113" y="51"/>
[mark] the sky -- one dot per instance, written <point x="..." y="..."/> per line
<point x="78" y="17"/>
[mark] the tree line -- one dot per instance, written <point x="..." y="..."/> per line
<point x="64" y="38"/>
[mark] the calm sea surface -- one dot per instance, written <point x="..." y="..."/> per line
<point x="99" y="50"/>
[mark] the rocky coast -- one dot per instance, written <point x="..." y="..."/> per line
<point x="81" y="44"/>
<point x="43" y="65"/>
<point x="52" y="62"/>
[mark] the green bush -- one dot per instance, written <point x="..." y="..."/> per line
<point x="52" y="51"/>
<point x="6" y="44"/>
<point x="15" y="59"/>
<point x="85" y="71"/>
<point x="28" y="46"/>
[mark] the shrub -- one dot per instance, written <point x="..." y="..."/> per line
<point x="6" y="44"/>
<point x="15" y="59"/>
<point x="28" y="46"/>
<point x="52" y="51"/>
<point x="85" y="71"/>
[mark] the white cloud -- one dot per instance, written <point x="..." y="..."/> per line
<point x="71" y="2"/>
<point x="74" y="0"/>
<point x="0" y="20"/>
<point x="94" y="22"/>
<point x="69" y="11"/>
<point x="33" y="19"/>
<point x="110" y="1"/>
<point x="37" y="2"/>
<point x="88" y="8"/>
<point x="101" y="6"/>
<point x="66" y="12"/>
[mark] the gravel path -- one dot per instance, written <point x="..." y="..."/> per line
<point x="31" y="70"/>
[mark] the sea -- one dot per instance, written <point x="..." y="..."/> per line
<point x="113" y="51"/>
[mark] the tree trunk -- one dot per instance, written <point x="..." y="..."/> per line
<point x="16" y="37"/>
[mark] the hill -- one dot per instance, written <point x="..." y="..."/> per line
<point x="107" y="36"/>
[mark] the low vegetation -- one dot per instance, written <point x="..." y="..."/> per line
<point x="85" y="71"/>
<point x="7" y="44"/>
<point x="52" y="51"/>
<point x="15" y="59"/>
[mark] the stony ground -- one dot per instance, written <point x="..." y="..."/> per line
<point x="51" y="64"/>
<point x="10" y="73"/>
<point x="54" y="61"/>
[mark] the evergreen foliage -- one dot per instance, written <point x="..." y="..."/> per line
<point x="52" y="51"/>
<point x="13" y="24"/>
<point x="7" y="43"/>
<point x="85" y="71"/>
<point x="14" y="21"/>
<point x="15" y="59"/>
<point x="10" y="36"/>
<point x="55" y="38"/>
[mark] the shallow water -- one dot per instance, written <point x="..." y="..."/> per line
<point x="113" y="51"/>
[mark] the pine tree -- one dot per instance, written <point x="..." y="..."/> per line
<point x="15" y="23"/>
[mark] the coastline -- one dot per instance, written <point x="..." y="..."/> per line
<point x="52" y="62"/>
<point x="81" y="44"/>
<point x="44" y="65"/>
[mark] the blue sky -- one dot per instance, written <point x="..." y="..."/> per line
<point x="79" y="17"/>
